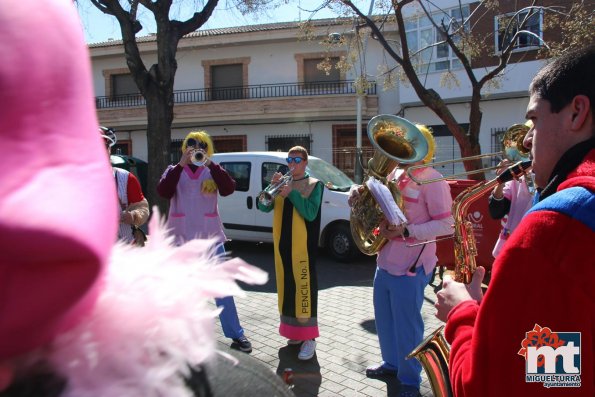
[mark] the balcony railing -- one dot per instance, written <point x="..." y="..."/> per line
<point x="242" y="92"/>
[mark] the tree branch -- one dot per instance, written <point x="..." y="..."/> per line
<point x="197" y="20"/>
<point x="128" y="28"/>
<point x="376" y="33"/>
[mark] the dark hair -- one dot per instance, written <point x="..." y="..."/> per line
<point x="567" y="76"/>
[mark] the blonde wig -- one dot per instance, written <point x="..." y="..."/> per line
<point x="200" y="136"/>
<point x="427" y="133"/>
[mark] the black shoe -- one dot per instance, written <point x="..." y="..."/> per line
<point x="380" y="372"/>
<point x="243" y="344"/>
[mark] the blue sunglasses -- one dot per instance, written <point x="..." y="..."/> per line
<point x="296" y="160"/>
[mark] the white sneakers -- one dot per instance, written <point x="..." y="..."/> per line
<point x="307" y="350"/>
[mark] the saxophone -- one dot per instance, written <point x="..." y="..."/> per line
<point x="433" y="352"/>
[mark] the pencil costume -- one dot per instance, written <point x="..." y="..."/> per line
<point x="296" y="198"/>
<point x="296" y="243"/>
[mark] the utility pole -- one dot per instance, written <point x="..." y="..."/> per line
<point x="359" y="174"/>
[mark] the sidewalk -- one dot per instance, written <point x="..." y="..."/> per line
<point x="347" y="343"/>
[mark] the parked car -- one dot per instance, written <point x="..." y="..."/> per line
<point x="253" y="171"/>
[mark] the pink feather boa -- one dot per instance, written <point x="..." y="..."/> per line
<point x="150" y="321"/>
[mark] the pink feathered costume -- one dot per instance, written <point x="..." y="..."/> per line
<point x="111" y="320"/>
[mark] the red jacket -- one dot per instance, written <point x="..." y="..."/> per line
<point x="546" y="276"/>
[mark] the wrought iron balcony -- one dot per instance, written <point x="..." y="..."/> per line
<point x="241" y="92"/>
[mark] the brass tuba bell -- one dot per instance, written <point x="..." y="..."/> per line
<point x="396" y="141"/>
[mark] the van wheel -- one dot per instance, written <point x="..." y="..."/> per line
<point x="340" y="244"/>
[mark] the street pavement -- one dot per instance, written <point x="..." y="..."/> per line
<point x="347" y="343"/>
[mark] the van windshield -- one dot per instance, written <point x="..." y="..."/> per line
<point x="332" y="177"/>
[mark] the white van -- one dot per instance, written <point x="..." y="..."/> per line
<point x="253" y="171"/>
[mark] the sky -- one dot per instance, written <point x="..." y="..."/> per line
<point x="99" y="27"/>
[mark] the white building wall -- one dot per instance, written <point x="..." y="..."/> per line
<point x="256" y="134"/>
<point x="274" y="62"/>
<point x="515" y="79"/>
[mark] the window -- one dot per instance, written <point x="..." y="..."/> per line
<point x="240" y="172"/>
<point x="316" y="81"/>
<point x="312" y="74"/>
<point x="227" y="82"/>
<point x="447" y="148"/>
<point x="269" y="169"/>
<point x="508" y="25"/>
<point x="422" y="35"/>
<point x="123" y="84"/>
<point x="175" y="151"/>
<point x="282" y="143"/>
<point x="229" y="143"/>
<point x="122" y="147"/>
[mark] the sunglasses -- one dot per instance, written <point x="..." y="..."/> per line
<point x="296" y="160"/>
<point x="194" y="143"/>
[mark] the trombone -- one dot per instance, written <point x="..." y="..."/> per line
<point x="513" y="150"/>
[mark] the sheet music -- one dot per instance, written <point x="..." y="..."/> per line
<point x="385" y="200"/>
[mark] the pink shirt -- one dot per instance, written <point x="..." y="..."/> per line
<point x="520" y="202"/>
<point x="428" y="211"/>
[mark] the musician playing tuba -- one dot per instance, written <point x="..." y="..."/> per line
<point x="402" y="271"/>
<point x="296" y="228"/>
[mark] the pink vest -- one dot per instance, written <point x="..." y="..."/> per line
<point x="192" y="213"/>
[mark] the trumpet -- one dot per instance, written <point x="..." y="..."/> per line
<point x="267" y="196"/>
<point x="199" y="158"/>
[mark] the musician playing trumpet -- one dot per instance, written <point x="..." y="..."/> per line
<point x="192" y="187"/>
<point x="403" y="271"/>
<point x="296" y="227"/>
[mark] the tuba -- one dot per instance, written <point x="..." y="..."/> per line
<point x="396" y="141"/>
<point x="433" y="352"/>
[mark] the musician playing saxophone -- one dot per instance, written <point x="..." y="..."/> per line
<point x="296" y="227"/>
<point x="403" y="272"/>
<point x="532" y="333"/>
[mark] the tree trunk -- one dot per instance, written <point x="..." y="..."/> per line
<point x="160" y="116"/>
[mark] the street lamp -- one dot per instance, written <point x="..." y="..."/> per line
<point x="358" y="174"/>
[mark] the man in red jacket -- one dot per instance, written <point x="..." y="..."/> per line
<point x="532" y="333"/>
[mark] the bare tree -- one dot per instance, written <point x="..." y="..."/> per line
<point x="458" y="34"/>
<point x="156" y="82"/>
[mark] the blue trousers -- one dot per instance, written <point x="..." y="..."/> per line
<point x="397" y="308"/>
<point x="229" y="316"/>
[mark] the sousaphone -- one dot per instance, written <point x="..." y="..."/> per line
<point x="396" y="141"/>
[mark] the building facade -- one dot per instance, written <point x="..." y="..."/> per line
<point x="261" y="87"/>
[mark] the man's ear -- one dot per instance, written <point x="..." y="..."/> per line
<point x="580" y="107"/>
